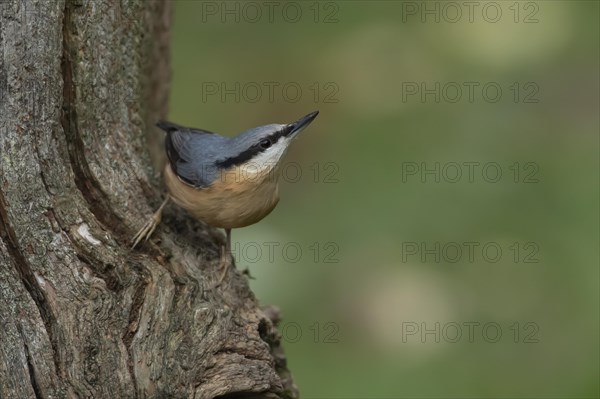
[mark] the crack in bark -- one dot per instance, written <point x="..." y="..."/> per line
<point x="137" y="302"/>
<point x="34" y="383"/>
<point x="134" y="317"/>
<point x="7" y="234"/>
<point x="87" y="184"/>
<point x="84" y="179"/>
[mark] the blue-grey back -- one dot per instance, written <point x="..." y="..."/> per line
<point x="192" y="152"/>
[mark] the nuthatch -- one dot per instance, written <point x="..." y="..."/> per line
<point x="226" y="182"/>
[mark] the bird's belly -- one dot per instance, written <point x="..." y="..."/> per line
<point x="225" y="204"/>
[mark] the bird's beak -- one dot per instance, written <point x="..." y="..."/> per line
<point x="300" y="124"/>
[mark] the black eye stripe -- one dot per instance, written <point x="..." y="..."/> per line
<point x="254" y="150"/>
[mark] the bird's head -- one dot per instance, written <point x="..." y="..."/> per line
<point x="260" y="150"/>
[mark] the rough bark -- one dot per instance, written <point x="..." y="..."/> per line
<point x="81" y="314"/>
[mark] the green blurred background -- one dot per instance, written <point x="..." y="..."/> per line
<point x="349" y="255"/>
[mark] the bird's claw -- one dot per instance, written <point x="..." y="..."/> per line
<point x="224" y="265"/>
<point x="147" y="229"/>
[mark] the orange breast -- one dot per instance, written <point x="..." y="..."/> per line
<point x="235" y="200"/>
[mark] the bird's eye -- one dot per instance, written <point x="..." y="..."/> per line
<point x="265" y="143"/>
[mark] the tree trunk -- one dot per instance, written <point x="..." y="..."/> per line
<point x="82" y="315"/>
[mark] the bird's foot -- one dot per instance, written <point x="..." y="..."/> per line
<point x="147" y="229"/>
<point x="224" y="265"/>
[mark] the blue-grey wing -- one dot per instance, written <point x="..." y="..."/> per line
<point x="190" y="153"/>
